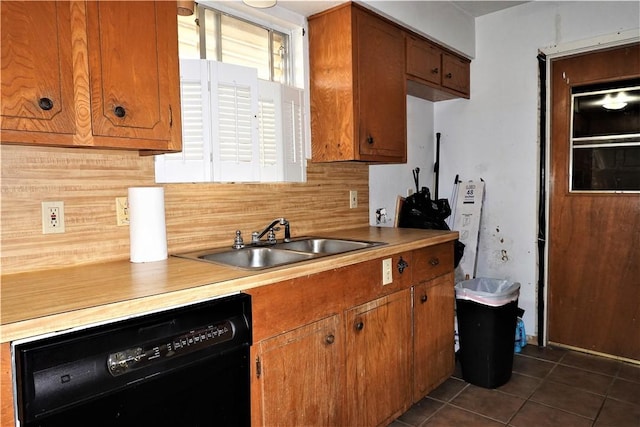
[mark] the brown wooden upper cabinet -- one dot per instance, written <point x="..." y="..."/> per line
<point x="358" y="95"/>
<point x="92" y="74"/>
<point x="433" y="73"/>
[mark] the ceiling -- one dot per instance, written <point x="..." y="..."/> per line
<point x="472" y="8"/>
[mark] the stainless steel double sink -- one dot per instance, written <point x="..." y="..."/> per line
<point x="261" y="257"/>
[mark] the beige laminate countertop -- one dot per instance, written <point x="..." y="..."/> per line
<point x="47" y="301"/>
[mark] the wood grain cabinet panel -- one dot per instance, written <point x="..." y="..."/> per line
<point x="130" y="75"/>
<point x="299" y="374"/>
<point x="378" y="360"/>
<point x="433" y="351"/>
<point x="455" y="74"/>
<point x="6" y="387"/>
<point x="424" y="60"/>
<point x="432" y="261"/>
<point x="37" y="78"/>
<point x="433" y="73"/>
<point x="358" y="96"/>
<point x="91" y="74"/>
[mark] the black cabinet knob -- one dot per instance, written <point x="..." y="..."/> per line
<point x="119" y="111"/>
<point x="434" y="261"/>
<point x="45" y="103"/>
<point x="449" y="75"/>
<point x="435" y="70"/>
<point x="359" y="326"/>
<point x="424" y="298"/>
<point x="330" y="339"/>
<point x="370" y="140"/>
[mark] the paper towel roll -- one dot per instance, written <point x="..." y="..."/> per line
<point x="147" y="229"/>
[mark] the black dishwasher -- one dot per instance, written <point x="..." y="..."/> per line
<point x="187" y="367"/>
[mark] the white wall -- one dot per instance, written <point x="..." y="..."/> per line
<point x="387" y="182"/>
<point x="494" y="136"/>
<point x="440" y="21"/>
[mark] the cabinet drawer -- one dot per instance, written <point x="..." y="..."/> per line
<point x="432" y="262"/>
<point x="423" y="60"/>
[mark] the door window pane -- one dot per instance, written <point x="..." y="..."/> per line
<point x="605" y="137"/>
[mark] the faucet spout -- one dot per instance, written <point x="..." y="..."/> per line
<point x="255" y="236"/>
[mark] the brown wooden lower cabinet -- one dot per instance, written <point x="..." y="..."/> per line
<point x="365" y="361"/>
<point x="433" y="338"/>
<point x="378" y="348"/>
<point x="6" y="388"/>
<point x="299" y="374"/>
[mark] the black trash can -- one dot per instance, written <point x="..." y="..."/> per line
<point x="487" y="312"/>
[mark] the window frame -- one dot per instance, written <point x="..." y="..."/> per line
<point x="219" y="10"/>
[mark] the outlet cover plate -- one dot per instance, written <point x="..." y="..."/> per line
<point x="52" y="217"/>
<point x="122" y="211"/>
<point x="387" y="271"/>
<point x="353" y="199"/>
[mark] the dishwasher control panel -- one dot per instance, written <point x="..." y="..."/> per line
<point x="133" y="358"/>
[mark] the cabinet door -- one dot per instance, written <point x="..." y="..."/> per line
<point x="299" y="376"/>
<point x="455" y="74"/>
<point x="434" y="359"/>
<point x="37" y="74"/>
<point x="378" y="349"/>
<point x="133" y="70"/>
<point x="381" y="96"/>
<point x="424" y="60"/>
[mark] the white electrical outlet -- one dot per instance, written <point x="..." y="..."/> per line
<point x="122" y="211"/>
<point x="52" y="217"/>
<point x="387" y="272"/>
<point x="353" y="199"/>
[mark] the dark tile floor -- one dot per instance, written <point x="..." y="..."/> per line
<point x="548" y="388"/>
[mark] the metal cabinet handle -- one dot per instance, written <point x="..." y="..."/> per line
<point x="119" y="111"/>
<point x="424" y="298"/>
<point x="434" y="261"/>
<point x="45" y="103"/>
<point x="330" y="339"/>
<point x="359" y="326"/>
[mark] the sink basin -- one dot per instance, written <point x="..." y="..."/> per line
<point x="256" y="258"/>
<point x="325" y="246"/>
<point x="261" y="257"/>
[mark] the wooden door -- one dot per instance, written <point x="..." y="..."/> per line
<point x="594" y="238"/>
<point x="378" y="351"/>
<point x="37" y="72"/>
<point x="433" y="311"/>
<point x="133" y="69"/>
<point x="300" y="374"/>
<point x="381" y="100"/>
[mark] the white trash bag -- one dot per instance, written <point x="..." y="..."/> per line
<point x="491" y="292"/>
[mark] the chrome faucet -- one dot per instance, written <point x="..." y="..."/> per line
<point x="270" y="232"/>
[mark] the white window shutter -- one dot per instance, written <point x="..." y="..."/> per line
<point x="293" y="130"/>
<point x="193" y="163"/>
<point x="234" y="103"/>
<point x="270" y="132"/>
